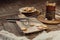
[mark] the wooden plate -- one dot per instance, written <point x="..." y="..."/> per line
<point x="42" y="19"/>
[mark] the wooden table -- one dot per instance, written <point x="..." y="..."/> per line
<point x="13" y="28"/>
<point x="14" y="6"/>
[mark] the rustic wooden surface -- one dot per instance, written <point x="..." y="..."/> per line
<point x="13" y="6"/>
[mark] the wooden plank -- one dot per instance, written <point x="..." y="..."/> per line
<point x="11" y="28"/>
<point x="12" y="17"/>
<point x="1" y="28"/>
<point x="19" y="30"/>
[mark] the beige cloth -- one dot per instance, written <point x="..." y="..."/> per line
<point x="53" y="35"/>
<point x="5" y="35"/>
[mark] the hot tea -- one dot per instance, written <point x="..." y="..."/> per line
<point x="50" y="11"/>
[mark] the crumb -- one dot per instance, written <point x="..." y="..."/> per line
<point x="24" y="29"/>
<point x="31" y="24"/>
<point x="40" y="28"/>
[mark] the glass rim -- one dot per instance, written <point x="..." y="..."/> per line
<point x="51" y="3"/>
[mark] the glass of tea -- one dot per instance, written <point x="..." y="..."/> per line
<point x="50" y="10"/>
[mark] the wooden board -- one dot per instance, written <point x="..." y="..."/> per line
<point x="31" y="29"/>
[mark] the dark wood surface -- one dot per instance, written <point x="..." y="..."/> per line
<point x="13" y="7"/>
